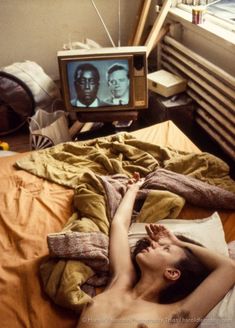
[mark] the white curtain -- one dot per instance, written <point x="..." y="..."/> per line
<point x="196" y="2"/>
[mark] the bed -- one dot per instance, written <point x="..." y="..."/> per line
<point x="34" y="204"/>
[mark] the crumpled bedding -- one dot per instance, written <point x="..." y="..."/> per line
<point x="194" y="191"/>
<point x="80" y="165"/>
<point x="90" y="247"/>
<point x="72" y="163"/>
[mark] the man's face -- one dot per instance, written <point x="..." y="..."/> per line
<point x="118" y="83"/>
<point x="86" y="86"/>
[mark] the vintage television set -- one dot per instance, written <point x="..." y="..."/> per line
<point x="100" y="108"/>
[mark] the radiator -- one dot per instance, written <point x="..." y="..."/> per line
<point x="212" y="88"/>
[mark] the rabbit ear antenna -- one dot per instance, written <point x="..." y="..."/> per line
<point x="103" y="23"/>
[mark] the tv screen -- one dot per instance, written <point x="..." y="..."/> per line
<point x="104" y="80"/>
<point x="99" y="83"/>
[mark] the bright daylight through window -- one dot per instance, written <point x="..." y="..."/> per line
<point x="224" y="9"/>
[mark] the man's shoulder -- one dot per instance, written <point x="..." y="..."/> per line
<point x="109" y="101"/>
<point x="103" y="102"/>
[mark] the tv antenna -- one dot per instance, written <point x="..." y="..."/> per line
<point x="104" y="25"/>
<point x="119" y="23"/>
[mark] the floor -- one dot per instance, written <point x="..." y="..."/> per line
<point x="20" y="142"/>
<point x="205" y="143"/>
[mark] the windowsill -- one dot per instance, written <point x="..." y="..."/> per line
<point x="213" y="31"/>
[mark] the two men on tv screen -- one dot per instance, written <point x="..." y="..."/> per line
<point x="87" y="82"/>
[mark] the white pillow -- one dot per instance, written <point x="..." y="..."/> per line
<point x="43" y="88"/>
<point x="210" y="233"/>
<point x="231" y="249"/>
<point x="223" y="314"/>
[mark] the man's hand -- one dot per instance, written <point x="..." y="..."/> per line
<point x="158" y="232"/>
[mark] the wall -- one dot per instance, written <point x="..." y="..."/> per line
<point x="36" y="29"/>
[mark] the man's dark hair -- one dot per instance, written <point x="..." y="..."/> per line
<point x="86" y="67"/>
<point x="193" y="272"/>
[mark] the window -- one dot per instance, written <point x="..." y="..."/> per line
<point x="224" y="9"/>
<point x="214" y="27"/>
<point x="219" y="12"/>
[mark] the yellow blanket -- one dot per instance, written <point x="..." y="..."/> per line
<point x="78" y="165"/>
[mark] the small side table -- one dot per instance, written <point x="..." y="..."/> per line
<point x="180" y="109"/>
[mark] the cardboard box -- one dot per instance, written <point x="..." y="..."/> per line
<point x="166" y="83"/>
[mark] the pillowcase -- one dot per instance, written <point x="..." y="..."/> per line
<point x="44" y="89"/>
<point x="223" y="314"/>
<point x="209" y="232"/>
<point x="231" y="249"/>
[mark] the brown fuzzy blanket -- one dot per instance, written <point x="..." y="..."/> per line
<point x="194" y="191"/>
<point x="89" y="247"/>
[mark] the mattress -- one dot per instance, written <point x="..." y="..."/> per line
<point x="33" y="207"/>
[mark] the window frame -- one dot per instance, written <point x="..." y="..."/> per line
<point x="215" y="28"/>
<point x="210" y="17"/>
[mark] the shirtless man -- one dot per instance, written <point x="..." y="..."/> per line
<point x="131" y="302"/>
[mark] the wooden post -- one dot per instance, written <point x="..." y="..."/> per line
<point x="141" y="22"/>
<point x="137" y="18"/>
<point x="153" y="35"/>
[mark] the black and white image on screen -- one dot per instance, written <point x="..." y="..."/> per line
<point x="99" y="83"/>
